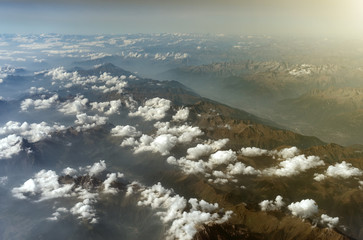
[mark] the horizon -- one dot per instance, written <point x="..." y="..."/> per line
<point x="281" y="18"/>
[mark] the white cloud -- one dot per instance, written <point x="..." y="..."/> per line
<point x="319" y="177"/>
<point x="269" y="205"/>
<point x="206" y="148"/>
<point x="343" y="170"/>
<point x="295" y="165"/>
<point x="111" y="177"/>
<point x="305" y="208"/>
<point x="85" y="210"/>
<point x="88" y="122"/>
<point x="181" y="115"/>
<point x="222" y="157"/>
<point x="69" y="171"/>
<point x="125" y="131"/>
<point x="288" y="152"/>
<point x="10" y="146"/>
<point x="253" y="152"/>
<point x="34" y="90"/>
<point x="45" y="184"/>
<point x="162" y="144"/>
<point x="153" y="109"/>
<point x="188" y="166"/>
<point x="75" y="106"/>
<point x="96" y="168"/>
<point x="33" y="132"/>
<point x="112" y="106"/>
<point x="173" y="210"/>
<point x="184" y="133"/>
<point x="241" y="168"/>
<point x="39" y="104"/>
<point x="330" y="221"/>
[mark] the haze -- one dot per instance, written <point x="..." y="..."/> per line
<point x="288" y="18"/>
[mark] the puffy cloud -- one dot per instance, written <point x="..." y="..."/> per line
<point x="173" y="210"/>
<point x="73" y="78"/>
<point x="75" y="106"/>
<point x="241" y="168"/>
<point x="57" y="214"/>
<point x="88" y="122"/>
<point x="319" y="177"/>
<point x="69" y="171"/>
<point x="304" y="209"/>
<point x="162" y="144"/>
<point x="96" y="168"/>
<point x="253" y="152"/>
<point x="85" y="210"/>
<point x="288" y="152"/>
<point x="10" y="145"/>
<point x="188" y="166"/>
<point x="125" y="131"/>
<point x="295" y="165"/>
<point x="181" y="115"/>
<point x="343" y="170"/>
<point x="38" y="104"/>
<point x="330" y="221"/>
<point x="269" y="205"/>
<point x="222" y="157"/>
<point x="184" y="133"/>
<point x="33" y="132"/>
<point x="153" y="109"/>
<point x="112" y="106"/>
<point x="206" y="148"/>
<point x="111" y="177"/>
<point x="34" y="90"/>
<point x="129" y="142"/>
<point x="45" y="184"/>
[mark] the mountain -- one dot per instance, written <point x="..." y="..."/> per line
<point x="296" y="96"/>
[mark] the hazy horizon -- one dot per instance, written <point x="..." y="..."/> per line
<point x="280" y="18"/>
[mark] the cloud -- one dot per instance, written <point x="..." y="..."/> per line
<point x="112" y="106"/>
<point x="39" y="104"/>
<point x="241" y="168"/>
<point x="188" y="166"/>
<point x="343" y="170"/>
<point x="288" y="152"/>
<point x="269" y="205"/>
<point x="32" y="132"/>
<point x="294" y="166"/>
<point x="305" y="208"/>
<point x="330" y="221"/>
<point x="75" y="106"/>
<point x="181" y="115"/>
<point x="125" y="131"/>
<point x="96" y="168"/>
<point x="182" y="216"/>
<point x="153" y="109"/>
<point x="222" y="157"/>
<point x="185" y="133"/>
<point x="34" y="90"/>
<point x="206" y="149"/>
<point x="10" y="146"/>
<point x="88" y="122"/>
<point x="111" y="177"/>
<point x="68" y="79"/>
<point x="69" y="171"/>
<point x="162" y="144"/>
<point x="45" y="184"/>
<point x="85" y="210"/>
<point x="253" y="152"/>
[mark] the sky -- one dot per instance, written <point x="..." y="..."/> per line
<point x="272" y="17"/>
